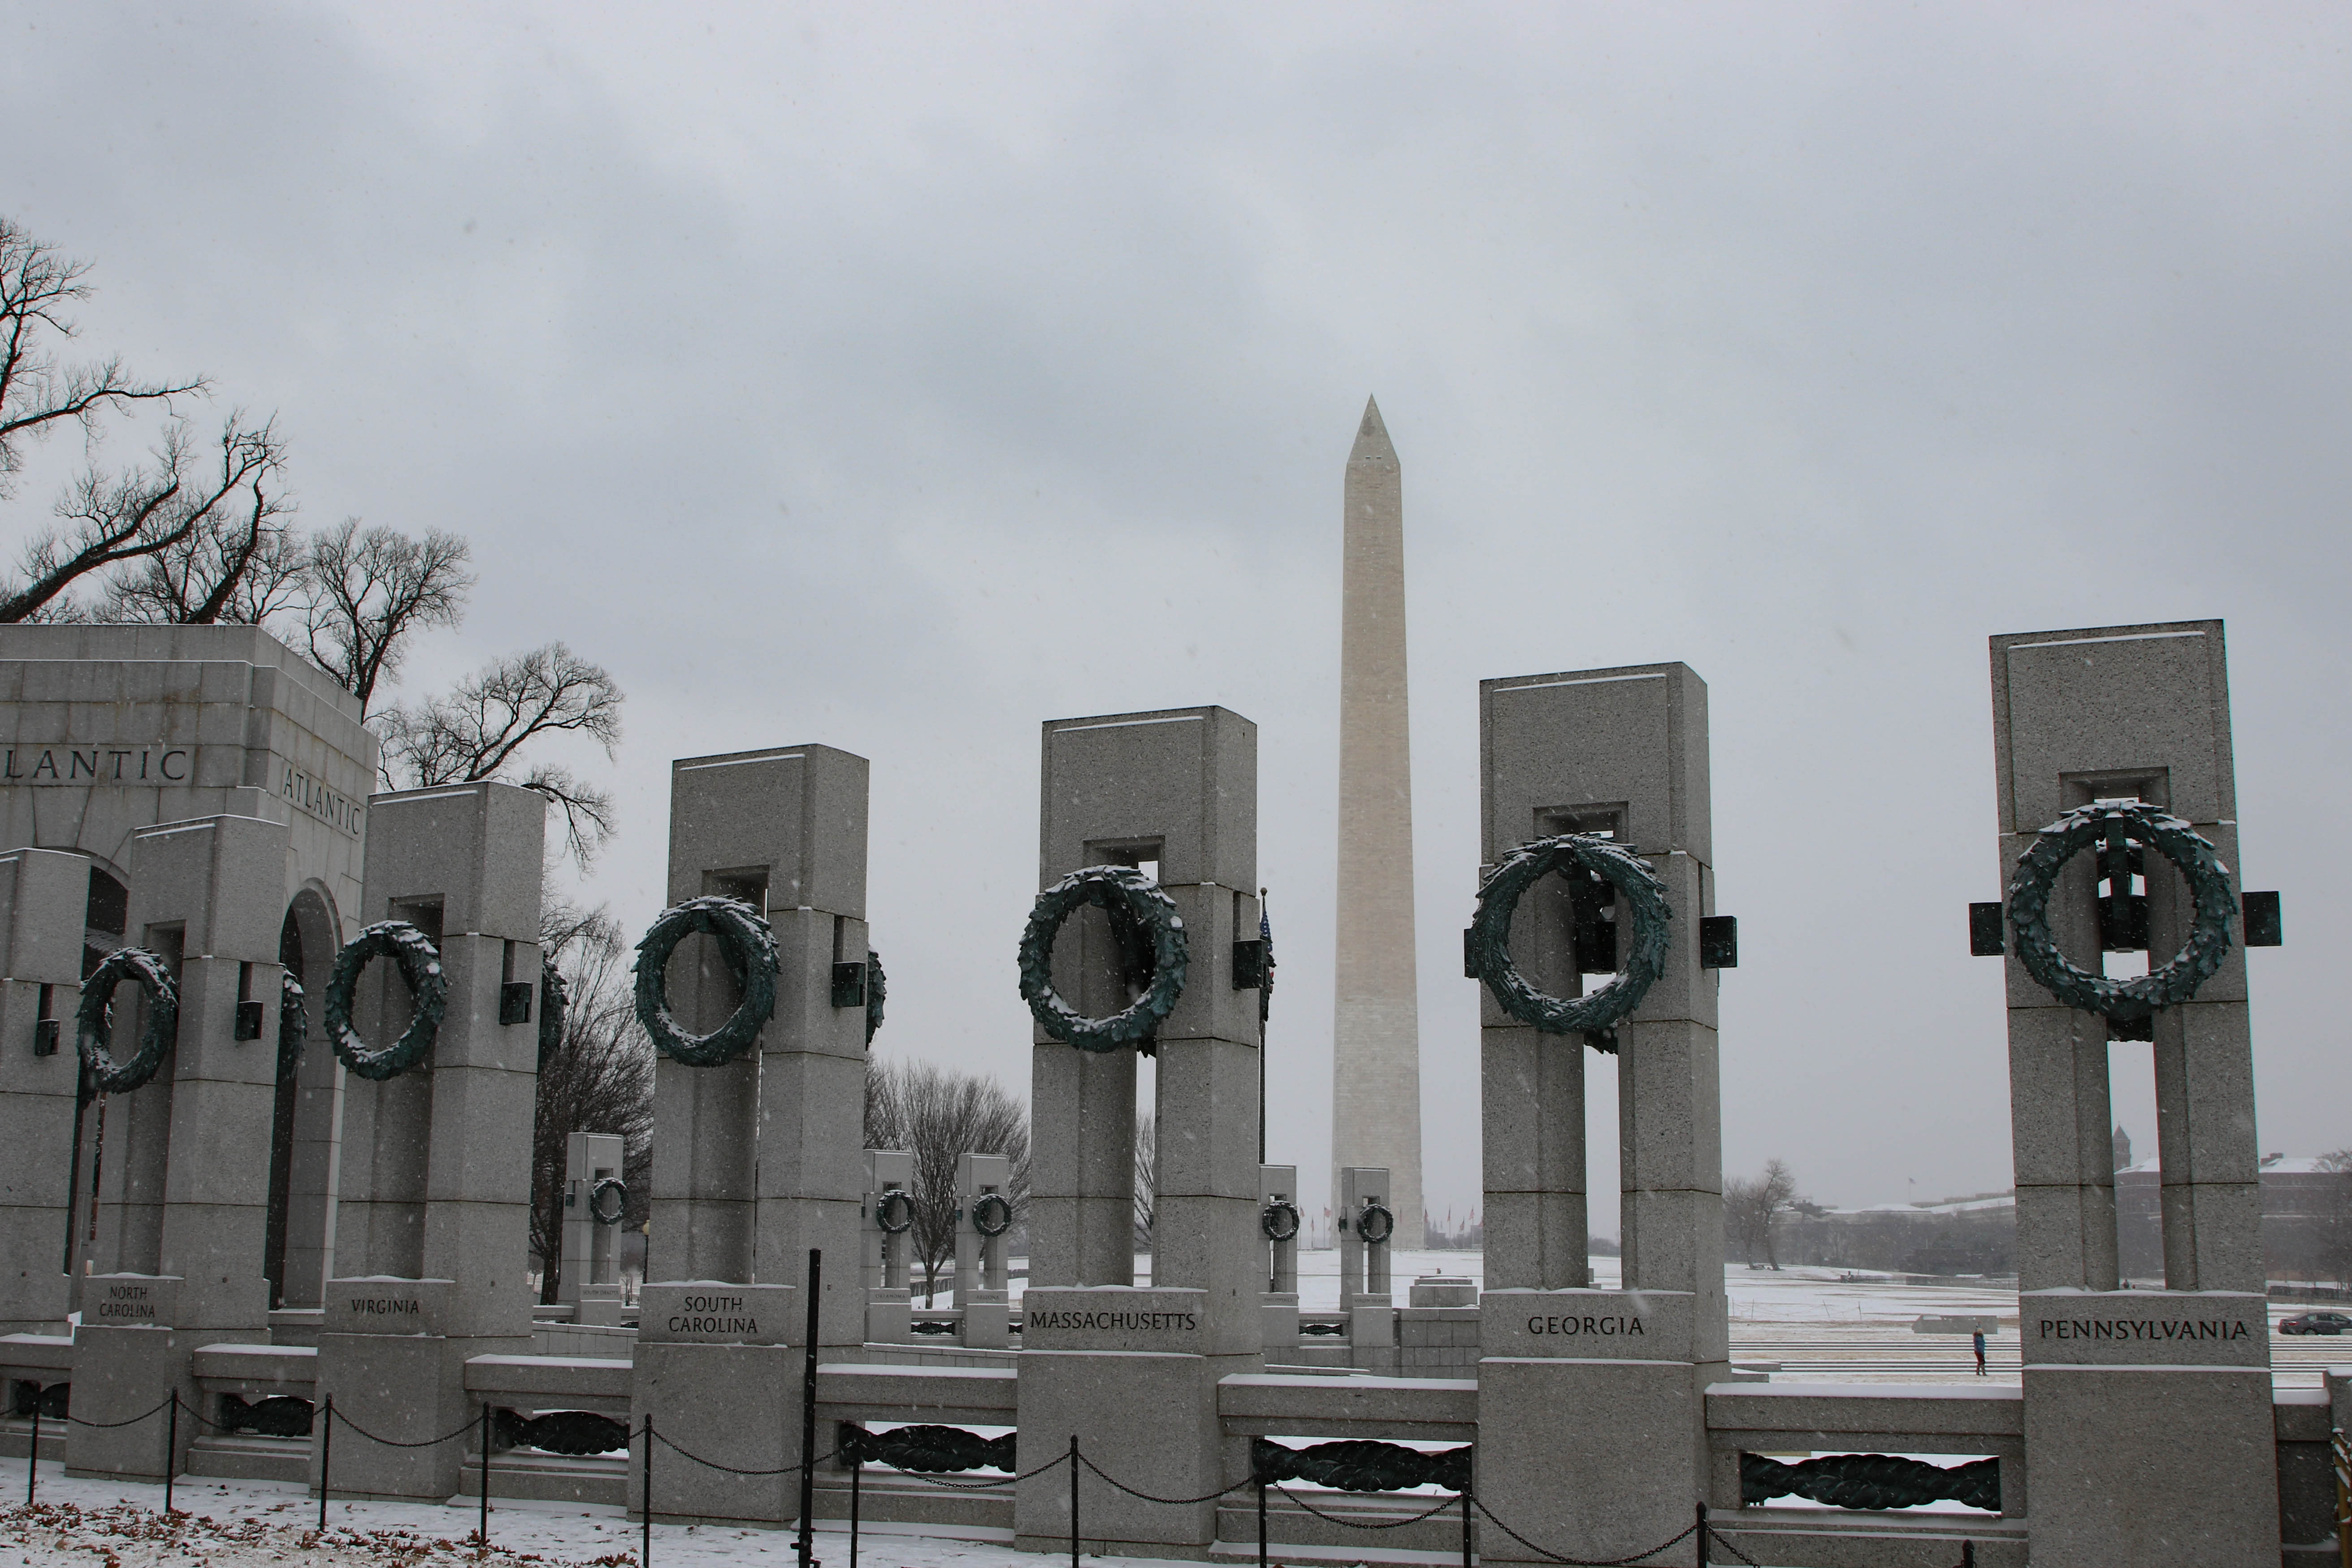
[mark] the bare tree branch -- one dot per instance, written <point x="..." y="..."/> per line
<point x="370" y="589"/>
<point x="237" y="561"/>
<point x="478" y="728"/>
<point x="38" y="394"/>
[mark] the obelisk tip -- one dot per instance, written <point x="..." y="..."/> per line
<point x="1372" y="438"/>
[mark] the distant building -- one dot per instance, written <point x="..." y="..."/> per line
<point x="2306" y="1227"/>
<point x="2306" y="1219"/>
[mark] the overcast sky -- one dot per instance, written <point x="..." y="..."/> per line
<point x="901" y="377"/>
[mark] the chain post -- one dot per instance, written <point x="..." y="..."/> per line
<point x="482" y="1529"/>
<point x="645" y="1518"/>
<point x="1703" y="1555"/>
<point x="326" y="1457"/>
<point x="171" y="1450"/>
<point x="1074" y="1501"/>
<point x="1465" y="1530"/>
<point x="33" y="1454"/>
<point x="856" y="1474"/>
<point x="807" y="1543"/>
<point x="1261" y="1525"/>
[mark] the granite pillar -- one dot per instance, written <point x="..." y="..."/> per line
<point x="1132" y="1373"/>
<point x="2148" y="1412"/>
<point x="1591" y="1415"/>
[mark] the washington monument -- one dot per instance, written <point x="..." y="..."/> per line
<point x="1376" y="1055"/>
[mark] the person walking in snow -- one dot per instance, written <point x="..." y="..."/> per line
<point x="1980" y="1356"/>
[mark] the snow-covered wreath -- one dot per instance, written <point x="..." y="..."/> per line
<point x="2036" y="878"/>
<point x="1125" y="892"/>
<point x="1642" y="962"/>
<point x="991" y="1213"/>
<point x="896" y="1213"/>
<point x="94" y="1021"/>
<point x="428" y="992"/>
<point x="1278" y="1221"/>
<point x="747" y="943"/>
<point x="611" y="1187"/>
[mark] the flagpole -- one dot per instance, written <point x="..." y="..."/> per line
<point x="1265" y="985"/>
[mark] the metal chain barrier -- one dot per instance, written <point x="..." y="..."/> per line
<point x="1058" y="1460"/>
<point x="1117" y="1485"/>
<point x="731" y="1469"/>
<point x="334" y="1413"/>
<point x="1443" y="1504"/>
<point x="1626" y="1561"/>
<point x="109" y="1426"/>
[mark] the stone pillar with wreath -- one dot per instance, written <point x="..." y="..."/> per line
<point x="1279" y="1224"/>
<point x="595" y="1201"/>
<point x="1599" y="866"/>
<point x="761" y="995"/>
<point x="1143" y="940"/>
<point x="886" y="1225"/>
<point x="2148" y="1429"/>
<point x="433" y="1011"/>
<point x="983" y="1224"/>
<point x="188" y="1071"/>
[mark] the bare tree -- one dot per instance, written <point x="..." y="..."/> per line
<point x="1146" y="1179"/>
<point x="938" y="1114"/>
<point x="189" y="531"/>
<point x="38" y="394"/>
<point x="478" y="728"/>
<point x="369" y="590"/>
<point x="231" y="558"/>
<point x="1752" y="1206"/>
<point x="598" y="1078"/>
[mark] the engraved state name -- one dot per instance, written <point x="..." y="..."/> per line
<point x="386" y="1305"/>
<point x="712" y="1315"/>
<point x="133" y="1303"/>
<point x="2143" y="1329"/>
<point x="1605" y="1327"/>
<point x="1114" y="1322"/>
<point x="72" y="765"/>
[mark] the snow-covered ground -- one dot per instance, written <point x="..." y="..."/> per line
<point x="257" y="1524"/>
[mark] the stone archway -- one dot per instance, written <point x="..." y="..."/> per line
<point x="300" y="1234"/>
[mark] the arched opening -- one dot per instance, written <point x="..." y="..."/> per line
<point x="299" y="1239"/>
<point x="104" y="921"/>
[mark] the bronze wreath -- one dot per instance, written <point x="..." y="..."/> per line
<point x="1121" y="889"/>
<point x="991" y="1213"/>
<point x="1643" y="962"/>
<point x="2036" y="878"/>
<point x="1364" y="1223"/>
<point x="428" y="988"/>
<point x="620" y="1191"/>
<point x="1267" y="1215"/>
<point x="748" y="946"/>
<point x="101" y="1074"/>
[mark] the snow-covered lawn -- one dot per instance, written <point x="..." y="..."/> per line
<point x="257" y="1524"/>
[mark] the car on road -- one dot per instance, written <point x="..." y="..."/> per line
<point x="2315" y="1323"/>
